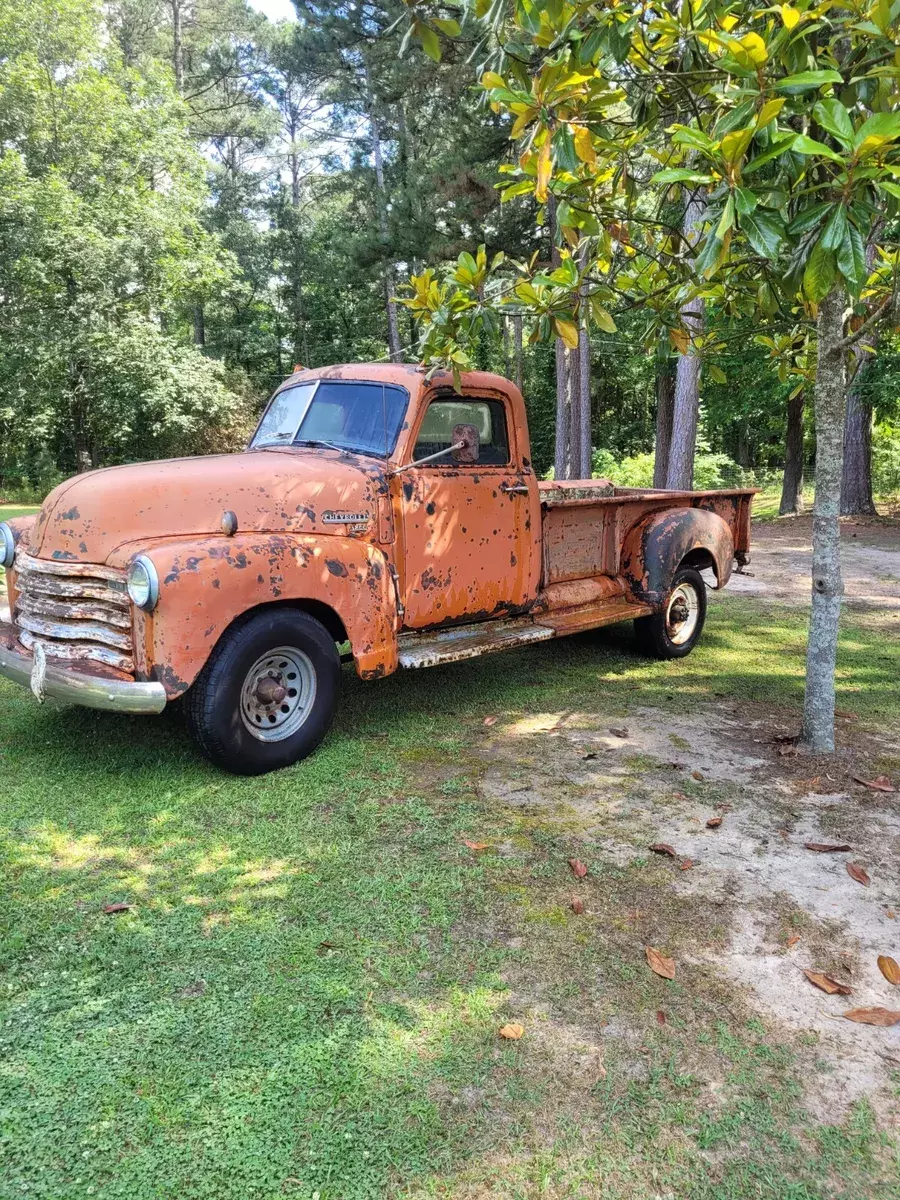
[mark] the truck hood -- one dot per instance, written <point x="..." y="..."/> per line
<point x="91" y="516"/>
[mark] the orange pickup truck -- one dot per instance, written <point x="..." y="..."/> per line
<point x="375" y="508"/>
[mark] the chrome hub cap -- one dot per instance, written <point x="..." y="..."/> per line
<point x="278" y="694"/>
<point x="682" y="614"/>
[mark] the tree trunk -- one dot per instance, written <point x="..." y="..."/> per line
<point x="583" y="355"/>
<point x="177" y="45"/>
<point x="686" y="410"/>
<point x="856" y="485"/>
<point x="387" y="274"/>
<point x="520" y="363"/>
<point x="562" y="454"/>
<point x="827" y="585"/>
<point x="792" y="483"/>
<point x="665" y="400"/>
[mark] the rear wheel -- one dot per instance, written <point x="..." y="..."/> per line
<point x="673" y="632"/>
<point x="268" y="694"/>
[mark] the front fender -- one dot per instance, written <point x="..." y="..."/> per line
<point x="656" y="546"/>
<point x="205" y="583"/>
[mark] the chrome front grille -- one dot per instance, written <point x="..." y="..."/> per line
<point x="76" y="610"/>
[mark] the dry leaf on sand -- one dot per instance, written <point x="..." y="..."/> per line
<point x="659" y="963"/>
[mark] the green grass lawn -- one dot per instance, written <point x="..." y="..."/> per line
<point x="305" y="996"/>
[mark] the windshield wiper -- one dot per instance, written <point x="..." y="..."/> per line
<point x="320" y="442"/>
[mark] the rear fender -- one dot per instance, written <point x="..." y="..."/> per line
<point x="206" y="583"/>
<point x="656" y="547"/>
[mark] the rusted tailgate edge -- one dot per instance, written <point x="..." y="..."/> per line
<point x="631" y="494"/>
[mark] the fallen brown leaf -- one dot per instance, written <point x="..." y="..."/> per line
<point x="873" y="1016"/>
<point x="825" y="847"/>
<point x="109" y="909"/>
<point x="475" y="845"/>
<point x="713" y="822"/>
<point x="663" y="848"/>
<point x="880" y="784"/>
<point x="855" y="871"/>
<point x="577" y="905"/>
<point x="660" y="964"/>
<point x="889" y="969"/>
<point x="512" y="1031"/>
<point x="792" y="941"/>
<point x="490" y="720"/>
<point x="847" y="716"/>
<point x="696" y="775"/>
<point x="827" y="984"/>
<point x="889" y="912"/>
<point x="578" y="869"/>
<point x="686" y="864"/>
<point x="660" y="1017"/>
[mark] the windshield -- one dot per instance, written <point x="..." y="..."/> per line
<point x="344" y="414"/>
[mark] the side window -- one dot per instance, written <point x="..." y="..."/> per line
<point x="488" y="417"/>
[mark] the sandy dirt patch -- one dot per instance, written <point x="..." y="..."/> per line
<point x="659" y="777"/>
<point x="781" y="562"/>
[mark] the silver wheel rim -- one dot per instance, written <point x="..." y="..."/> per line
<point x="682" y="613"/>
<point x="278" y="694"/>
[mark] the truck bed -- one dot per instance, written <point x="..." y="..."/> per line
<point x="585" y="522"/>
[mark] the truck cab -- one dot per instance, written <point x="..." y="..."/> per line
<point x="376" y="507"/>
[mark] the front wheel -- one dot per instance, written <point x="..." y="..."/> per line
<point x="267" y="696"/>
<point x="673" y="632"/>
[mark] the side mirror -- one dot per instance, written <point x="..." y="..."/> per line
<point x="468" y="451"/>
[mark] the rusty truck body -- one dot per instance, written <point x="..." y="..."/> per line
<point x="375" y="508"/>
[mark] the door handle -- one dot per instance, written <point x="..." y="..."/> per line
<point x="517" y="489"/>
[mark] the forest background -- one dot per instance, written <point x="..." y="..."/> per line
<point x="193" y="199"/>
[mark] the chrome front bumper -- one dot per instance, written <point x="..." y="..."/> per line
<point x="49" y="677"/>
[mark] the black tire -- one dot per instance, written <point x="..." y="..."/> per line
<point x="660" y="635"/>
<point x="248" y="732"/>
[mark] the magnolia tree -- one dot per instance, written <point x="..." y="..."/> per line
<point x="779" y="125"/>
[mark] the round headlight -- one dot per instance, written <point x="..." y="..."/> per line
<point x="143" y="583"/>
<point x="7" y="546"/>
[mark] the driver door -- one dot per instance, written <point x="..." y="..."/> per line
<point x="465" y="542"/>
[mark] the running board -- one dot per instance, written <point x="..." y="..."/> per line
<point x="468" y="641"/>
<point x="488" y="637"/>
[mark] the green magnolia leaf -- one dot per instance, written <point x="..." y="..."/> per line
<point x="522" y="188"/>
<point x="879" y="125"/>
<point x="602" y="318"/>
<point x="680" y="175"/>
<point x="851" y="259"/>
<point x="777" y="148"/>
<point x="764" y="231"/>
<point x="836" y="229"/>
<point x="804" y="80"/>
<point x="708" y="258"/>
<point x="734" y="144"/>
<point x="429" y="40"/>
<point x="726" y="220"/>
<point x="744" y="200"/>
<point x="819" y="274"/>
<point x="448" y="26"/>
<point x="891" y="189"/>
<point x="834" y="119"/>
<point x="809" y="218"/>
<point x="807" y="145"/>
<point x="716" y="374"/>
